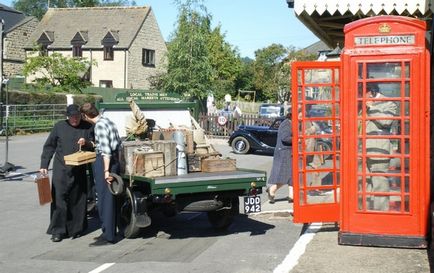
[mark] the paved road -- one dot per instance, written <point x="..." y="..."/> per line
<point x="185" y="243"/>
<point x="261" y="243"/>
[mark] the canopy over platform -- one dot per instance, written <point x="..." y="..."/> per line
<point x="326" y="18"/>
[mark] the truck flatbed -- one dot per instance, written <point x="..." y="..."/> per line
<point x="240" y="179"/>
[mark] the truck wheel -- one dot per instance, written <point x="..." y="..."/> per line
<point x="240" y="145"/>
<point x="222" y="219"/>
<point x="128" y="218"/>
<point x="169" y="210"/>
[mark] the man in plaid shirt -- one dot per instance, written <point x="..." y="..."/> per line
<point x="107" y="144"/>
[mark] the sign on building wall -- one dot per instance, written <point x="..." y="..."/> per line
<point x="146" y="96"/>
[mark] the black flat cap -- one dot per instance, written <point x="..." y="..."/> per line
<point x="72" y="110"/>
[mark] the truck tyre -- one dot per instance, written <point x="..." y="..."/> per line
<point x="169" y="210"/>
<point x="128" y="218"/>
<point x="223" y="218"/>
<point x="240" y="145"/>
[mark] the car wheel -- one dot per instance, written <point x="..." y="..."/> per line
<point x="240" y="145"/>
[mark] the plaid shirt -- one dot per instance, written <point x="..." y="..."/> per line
<point x="106" y="136"/>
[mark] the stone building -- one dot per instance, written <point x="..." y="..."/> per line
<point x="17" y="29"/>
<point x="125" y="43"/>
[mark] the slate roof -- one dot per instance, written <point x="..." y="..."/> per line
<point x="317" y="47"/>
<point x="96" y="21"/>
<point x="12" y="17"/>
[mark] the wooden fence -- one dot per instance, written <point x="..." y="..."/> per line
<point x="212" y="127"/>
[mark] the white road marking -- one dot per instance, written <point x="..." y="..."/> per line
<point x="291" y="260"/>
<point x="102" y="268"/>
<point x="271" y="211"/>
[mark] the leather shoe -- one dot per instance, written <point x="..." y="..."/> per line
<point x="75" y="236"/>
<point x="101" y="242"/>
<point x="56" y="238"/>
<point x="99" y="237"/>
<point x="270" y="197"/>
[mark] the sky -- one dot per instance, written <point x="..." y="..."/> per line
<point x="248" y="25"/>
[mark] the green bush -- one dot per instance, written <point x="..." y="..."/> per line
<point x="35" y="97"/>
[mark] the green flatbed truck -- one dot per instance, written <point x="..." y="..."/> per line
<point x="216" y="193"/>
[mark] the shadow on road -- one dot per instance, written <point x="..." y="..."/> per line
<point x="188" y="225"/>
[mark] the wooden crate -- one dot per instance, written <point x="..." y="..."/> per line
<point x="79" y="158"/>
<point x="148" y="164"/>
<point x="194" y="161"/>
<point x="167" y="134"/>
<point x="211" y="165"/>
<point x="203" y="149"/>
<point x="168" y="147"/>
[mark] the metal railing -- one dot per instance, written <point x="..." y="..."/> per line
<point x="24" y="119"/>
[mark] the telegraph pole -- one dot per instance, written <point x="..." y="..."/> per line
<point x="2" y="22"/>
<point x="7" y="167"/>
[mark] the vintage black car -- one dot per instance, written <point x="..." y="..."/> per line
<point x="248" y="138"/>
<point x="262" y="139"/>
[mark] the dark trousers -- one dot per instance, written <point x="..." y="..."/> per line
<point x="68" y="208"/>
<point x="106" y="201"/>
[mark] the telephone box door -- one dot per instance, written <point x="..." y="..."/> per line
<point x="316" y="137"/>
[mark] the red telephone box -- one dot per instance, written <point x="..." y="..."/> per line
<point x="386" y="192"/>
<point x="381" y="150"/>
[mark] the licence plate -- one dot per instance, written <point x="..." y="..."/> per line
<point x="252" y="204"/>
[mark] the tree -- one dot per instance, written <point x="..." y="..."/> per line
<point x="244" y="81"/>
<point x="272" y="71"/>
<point x="226" y="64"/>
<point x="200" y="61"/>
<point x="268" y="63"/>
<point x="35" y="8"/>
<point x="59" y="72"/>
<point x="189" y="68"/>
<point x="38" y="8"/>
<point x="293" y="55"/>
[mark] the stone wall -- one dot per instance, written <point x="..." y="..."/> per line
<point x="149" y="37"/>
<point x="14" y="54"/>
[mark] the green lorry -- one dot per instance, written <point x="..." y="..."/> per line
<point x="217" y="193"/>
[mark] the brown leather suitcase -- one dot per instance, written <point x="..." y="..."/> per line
<point x="44" y="189"/>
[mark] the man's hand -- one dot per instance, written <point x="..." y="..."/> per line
<point x="43" y="171"/>
<point x="81" y="142"/>
<point x="107" y="177"/>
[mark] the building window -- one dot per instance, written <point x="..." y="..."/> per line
<point x="106" y="84"/>
<point x="77" y="51"/>
<point x="44" y="50"/>
<point x="148" y="57"/>
<point x="108" y="53"/>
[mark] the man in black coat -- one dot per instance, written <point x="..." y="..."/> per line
<point x="69" y="183"/>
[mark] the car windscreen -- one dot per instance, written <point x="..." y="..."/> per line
<point x="270" y="110"/>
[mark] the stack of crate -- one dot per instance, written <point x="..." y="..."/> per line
<point x="149" y="158"/>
